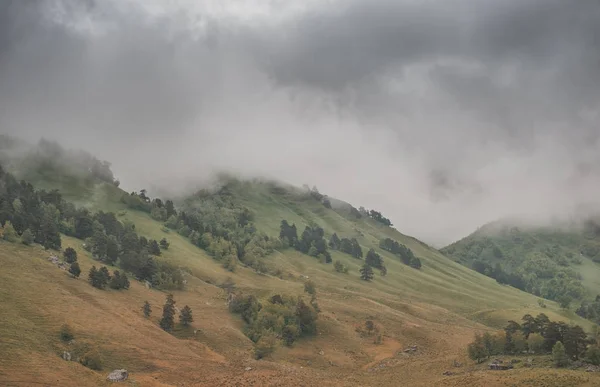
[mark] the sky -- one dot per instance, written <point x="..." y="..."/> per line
<point x="441" y="114"/>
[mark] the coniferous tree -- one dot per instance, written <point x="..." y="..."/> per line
<point x="366" y="272"/>
<point x="112" y="250"/>
<point x="170" y="208"/>
<point x="334" y="242"/>
<point x="105" y="275"/>
<point x="185" y="317"/>
<point x="49" y="235"/>
<point x="70" y="255"/>
<point x="75" y="270"/>
<point x="168" y="317"/>
<point x="147" y="309"/>
<point x="94" y="278"/>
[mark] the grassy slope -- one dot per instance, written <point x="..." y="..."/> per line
<point x="516" y="244"/>
<point x="437" y="308"/>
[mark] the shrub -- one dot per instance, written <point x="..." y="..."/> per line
<point x="66" y="333"/>
<point x="592" y="355"/>
<point x="92" y="360"/>
<point x="559" y="355"/>
<point x="310" y="287"/>
<point x="27" y="237"/>
<point x="265" y="345"/>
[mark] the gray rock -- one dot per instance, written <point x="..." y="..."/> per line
<point x="66" y="356"/>
<point x="118" y="376"/>
<point x="248" y="368"/>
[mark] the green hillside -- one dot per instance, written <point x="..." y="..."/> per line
<point x="224" y="244"/>
<point x="557" y="263"/>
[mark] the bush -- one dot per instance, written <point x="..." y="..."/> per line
<point x="340" y="267"/>
<point x="266" y="345"/>
<point x="592" y="355"/>
<point x="66" y="333"/>
<point x="559" y="355"/>
<point x="92" y="360"/>
<point x="27" y="237"/>
<point x="310" y="287"/>
<point x="8" y="233"/>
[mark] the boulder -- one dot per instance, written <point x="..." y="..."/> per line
<point x="66" y="356"/>
<point x="118" y="376"/>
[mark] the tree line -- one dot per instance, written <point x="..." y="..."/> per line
<point x="39" y="216"/>
<point x="406" y="255"/>
<point x="311" y="242"/>
<point x="537" y="335"/>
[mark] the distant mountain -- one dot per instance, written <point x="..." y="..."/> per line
<point x="553" y="262"/>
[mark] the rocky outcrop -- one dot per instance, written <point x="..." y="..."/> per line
<point x="118" y="376"/>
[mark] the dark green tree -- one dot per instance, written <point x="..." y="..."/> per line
<point x="147" y="309"/>
<point x="112" y="250"/>
<point x="94" y="278"/>
<point x="75" y="270"/>
<point x="373" y="259"/>
<point x="119" y="281"/>
<point x="164" y="244"/>
<point x="366" y="272"/>
<point x="153" y="248"/>
<point x="334" y="242"/>
<point x="575" y="341"/>
<point x="185" y="316"/>
<point x="170" y="208"/>
<point x="70" y="255"/>
<point x="168" y="317"/>
<point x="49" y="235"/>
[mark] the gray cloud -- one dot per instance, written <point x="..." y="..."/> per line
<point x="442" y="114"/>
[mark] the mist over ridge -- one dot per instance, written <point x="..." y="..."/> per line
<point x="443" y="115"/>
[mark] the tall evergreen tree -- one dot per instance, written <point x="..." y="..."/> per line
<point x="185" y="317"/>
<point x="334" y="242"/>
<point x="168" y="317"/>
<point x="366" y="272"/>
